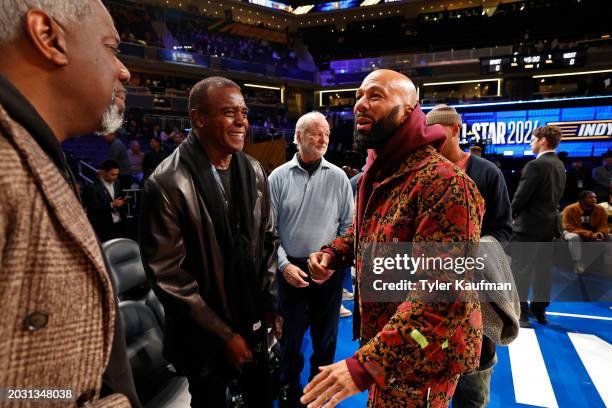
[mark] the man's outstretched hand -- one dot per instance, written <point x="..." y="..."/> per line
<point x="332" y="385"/>
<point x="318" y="265"/>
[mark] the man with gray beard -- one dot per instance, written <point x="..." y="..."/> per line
<point x="59" y="328"/>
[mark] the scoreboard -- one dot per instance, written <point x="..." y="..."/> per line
<point x="533" y="62"/>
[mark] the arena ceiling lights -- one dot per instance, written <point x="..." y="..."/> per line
<point x="303" y="9"/>
<point x="564" y="74"/>
<point x="369" y="3"/>
<point x="333" y="90"/>
<point x="263" y="86"/>
<point x="275" y="88"/>
<point x="296" y="8"/>
<point x="272" y="4"/>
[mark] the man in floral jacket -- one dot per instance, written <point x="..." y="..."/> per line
<point x="412" y="352"/>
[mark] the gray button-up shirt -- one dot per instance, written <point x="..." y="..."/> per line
<point x="310" y="211"/>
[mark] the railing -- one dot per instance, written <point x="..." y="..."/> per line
<point x="133" y="195"/>
<point x="263" y="134"/>
<point x="354" y="70"/>
<point x="169" y="121"/>
<point x="418" y="60"/>
<point x="83" y="165"/>
<point x="255" y="133"/>
<point x="213" y="62"/>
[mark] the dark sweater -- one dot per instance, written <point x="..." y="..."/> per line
<point x="490" y="181"/>
<point x="497" y="221"/>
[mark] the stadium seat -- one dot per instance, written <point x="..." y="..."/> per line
<point x="156" y="381"/>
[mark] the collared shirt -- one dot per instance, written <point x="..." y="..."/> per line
<point x="110" y="187"/>
<point x="544" y="152"/>
<point x="309" y="210"/>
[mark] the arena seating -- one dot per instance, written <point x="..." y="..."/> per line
<point x="180" y="30"/>
<point x="156" y="380"/>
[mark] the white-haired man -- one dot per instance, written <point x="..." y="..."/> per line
<point x="59" y="78"/>
<point x="312" y="202"/>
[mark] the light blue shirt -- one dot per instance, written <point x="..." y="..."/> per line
<point x="310" y="211"/>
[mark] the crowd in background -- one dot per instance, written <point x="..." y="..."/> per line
<point x="191" y="33"/>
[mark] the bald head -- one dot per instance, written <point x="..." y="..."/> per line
<point x="385" y="100"/>
<point x="397" y="83"/>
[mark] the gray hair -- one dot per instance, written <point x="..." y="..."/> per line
<point x="12" y="12"/>
<point x="306" y="120"/>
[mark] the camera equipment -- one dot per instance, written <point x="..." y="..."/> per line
<point x="233" y="395"/>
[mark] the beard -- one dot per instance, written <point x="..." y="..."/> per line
<point x="112" y="118"/>
<point x="380" y="134"/>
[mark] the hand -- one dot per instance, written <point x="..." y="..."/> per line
<point x="332" y="385"/>
<point x="238" y="351"/>
<point x="118" y="202"/>
<point x="275" y="321"/>
<point x="598" y="236"/>
<point x="318" y="264"/>
<point x="294" y="276"/>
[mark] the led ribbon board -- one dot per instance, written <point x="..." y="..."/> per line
<point x="586" y="130"/>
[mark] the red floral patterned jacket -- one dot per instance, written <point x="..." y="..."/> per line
<point x="415" y="351"/>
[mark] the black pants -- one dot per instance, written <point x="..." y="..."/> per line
<point x="532" y="261"/>
<point x="209" y="391"/>
<point x="317" y="306"/>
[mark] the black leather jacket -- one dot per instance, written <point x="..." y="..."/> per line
<point x="183" y="261"/>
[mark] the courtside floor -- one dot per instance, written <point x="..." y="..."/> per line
<point x="567" y="363"/>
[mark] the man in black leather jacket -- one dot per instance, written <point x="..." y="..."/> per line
<point x="209" y="245"/>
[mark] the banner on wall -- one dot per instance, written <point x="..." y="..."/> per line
<point x="585" y="129"/>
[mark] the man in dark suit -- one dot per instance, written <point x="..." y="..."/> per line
<point x="105" y="202"/>
<point x="535" y="209"/>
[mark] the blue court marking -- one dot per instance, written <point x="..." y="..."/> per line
<point x="569" y="378"/>
<point x="571" y="382"/>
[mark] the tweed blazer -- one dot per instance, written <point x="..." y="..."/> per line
<point x="58" y="310"/>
